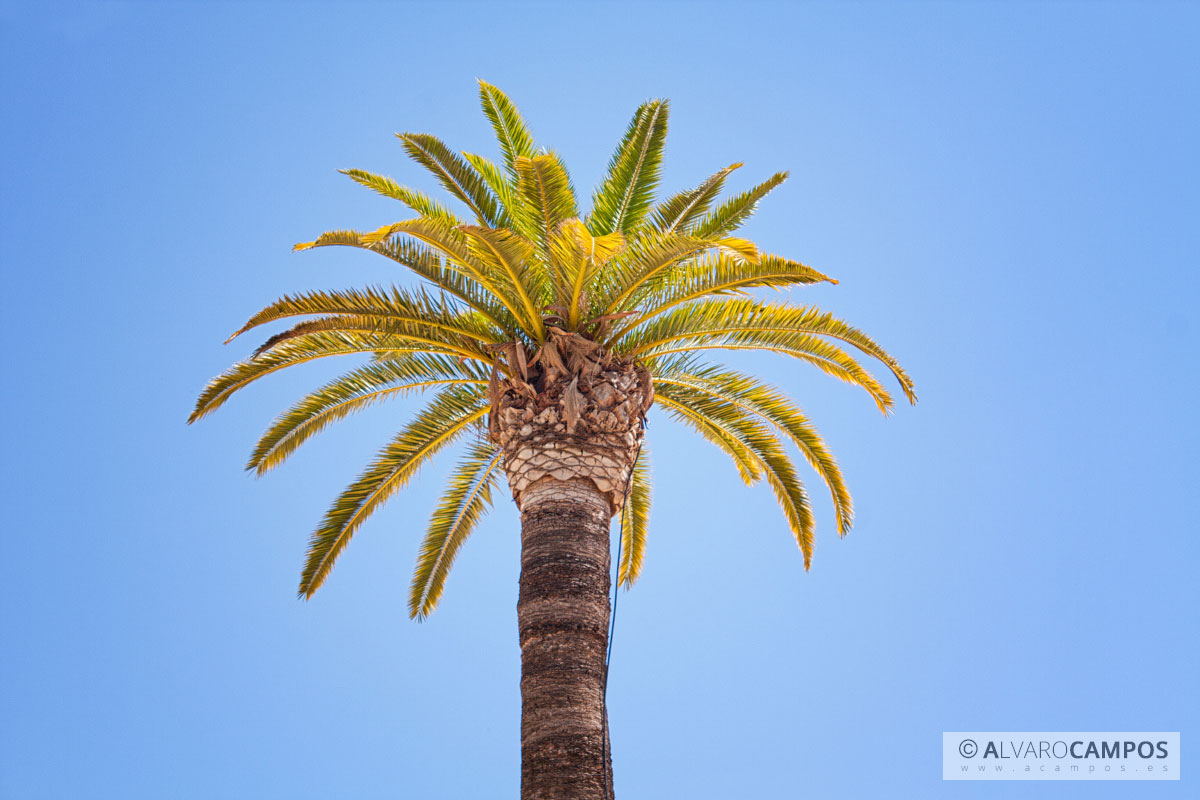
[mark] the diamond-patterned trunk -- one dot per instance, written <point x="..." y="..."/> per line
<point x="570" y="422"/>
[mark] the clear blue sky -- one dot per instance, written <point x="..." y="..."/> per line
<point x="1008" y="194"/>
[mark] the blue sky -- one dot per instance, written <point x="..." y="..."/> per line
<point x="1008" y="193"/>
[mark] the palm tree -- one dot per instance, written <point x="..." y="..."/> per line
<point x="545" y="337"/>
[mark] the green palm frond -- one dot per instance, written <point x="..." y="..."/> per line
<point x="749" y="322"/>
<point x="420" y="202"/>
<point x="398" y="305"/>
<point x="791" y="496"/>
<point x="625" y="196"/>
<point x="421" y="337"/>
<point x="768" y="403"/>
<point x="430" y="265"/>
<point x="331" y="238"/>
<point x="453" y="173"/>
<point x="575" y="258"/>
<point x="635" y="519"/>
<point x="730" y="215"/>
<point x="297" y="351"/>
<point x="468" y="497"/>
<point x="505" y="257"/>
<point x="504" y="187"/>
<point x="757" y="440"/>
<point x="513" y="136"/>
<point x="645" y="259"/>
<point x="682" y="209"/>
<point x="354" y="391"/>
<point x="444" y="420"/>
<point x="456" y="246"/>
<point x="717" y="274"/>
<point x="721" y="433"/>
<point x="827" y="357"/>
<point x="547" y="198"/>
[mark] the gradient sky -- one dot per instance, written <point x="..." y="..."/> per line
<point x="1008" y="194"/>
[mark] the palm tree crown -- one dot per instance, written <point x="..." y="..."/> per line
<point x="528" y="292"/>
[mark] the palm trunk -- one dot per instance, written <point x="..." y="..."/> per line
<point x="563" y="624"/>
<point x="570" y="427"/>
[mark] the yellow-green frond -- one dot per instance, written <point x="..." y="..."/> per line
<point x="731" y="214"/>
<point x="681" y="210"/>
<point x="290" y="353"/>
<point x="399" y="305"/>
<point x="354" y="391"/>
<point x="635" y="520"/>
<point x="791" y="496"/>
<point x="432" y="231"/>
<point x="575" y="257"/>
<point x="768" y="403"/>
<point x="506" y="257"/>
<point x="468" y="497"/>
<point x="453" y="173"/>
<point x="758" y="441"/>
<point x="827" y="357"/>
<point x="456" y="246"/>
<point x="414" y="334"/>
<point x="741" y="321"/>
<point x="420" y="202"/>
<point x="511" y="132"/>
<point x="447" y="277"/>
<point x="504" y="187"/>
<point x="717" y="274"/>
<point x="329" y="238"/>
<point x="722" y="432"/>
<point x="547" y="197"/>
<point x="444" y="420"/>
<point x="624" y="198"/>
<point x="644" y="261"/>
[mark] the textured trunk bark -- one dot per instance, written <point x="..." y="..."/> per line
<point x="570" y="422"/>
<point x="562" y="618"/>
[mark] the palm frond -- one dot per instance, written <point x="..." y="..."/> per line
<point x="828" y="357"/>
<point x="726" y="437"/>
<point x="444" y="420"/>
<point x="353" y="392"/>
<point x="768" y="403"/>
<point x="296" y="351"/>
<point x="635" y="520"/>
<point x="684" y="208"/>
<point x="505" y="256"/>
<point x="404" y="332"/>
<point x="749" y="322"/>
<point x="758" y="441"/>
<point x="453" y="173"/>
<point x="456" y="246"/>
<point x="420" y="202"/>
<point x="468" y="497"/>
<point x="643" y="261"/>
<point x="513" y="136"/>
<point x="504" y="187"/>
<point x="330" y="238"/>
<point x="730" y="215"/>
<point x="575" y="258"/>
<point x="547" y="199"/>
<point x="717" y="274"/>
<point x="625" y="195"/>
<point x="444" y="275"/>
<point x="396" y="304"/>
